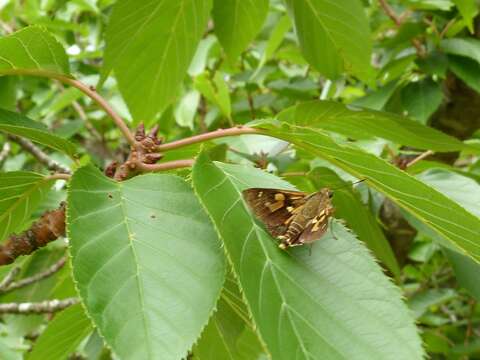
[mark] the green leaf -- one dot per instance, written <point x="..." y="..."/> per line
<point x="348" y="206"/>
<point x="63" y="335"/>
<point x="421" y="99"/>
<point x="229" y="333"/>
<point x="358" y="123"/>
<point x="237" y="22"/>
<point x="8" y="92"/>
<point x="431" y="207"/>
<point x="187" y="108"/>
<point x="466" y="69"/>
<point x="277" y="36"/>
<point x="334" y="36"/>
<point x="335" y="303"/>
<point x="151" y="277"/>
<point x="420" y="302"/>
<point x="33" y="51"/>
<point x="17" y="124"/>
<point x="165" y="30"/>
<point x="467" y="47"/>
<point x="469" y="10"/>
<point x="466" y="192"/>
<point x="376" y="100"/>
<point x="216" y="91"/>
<point x="20" y="194"/>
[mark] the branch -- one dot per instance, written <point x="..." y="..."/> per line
<point x="38" y="153"/>
<point x="238" y="130"/>
<point x="390" y="13"/>
<point x="4" y="153"/>
<point x="170" y="165"/>
<point x="419" y="157"/>
<point x="48" y="228"/>
<point x="48" y="306"/>
<point x="12" y="285"/>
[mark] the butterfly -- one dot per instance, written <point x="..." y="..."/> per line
<point x="293" y="217"/>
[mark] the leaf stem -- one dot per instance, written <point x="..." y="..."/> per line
<point x="420" y="157"/>
<point x="238" y="130"/>
<point x="94" y="95"/>
<point x="59" y="176"/>
<point x="170" y="165"/>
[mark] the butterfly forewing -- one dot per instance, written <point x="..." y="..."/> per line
<point x="275" y="207"/>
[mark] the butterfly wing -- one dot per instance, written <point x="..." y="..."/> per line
<point x="316" y="227"/>
<point x="274" y="207"/>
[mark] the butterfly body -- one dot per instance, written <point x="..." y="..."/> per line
<point x="293" y="217"/>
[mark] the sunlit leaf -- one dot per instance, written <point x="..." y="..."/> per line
<point x="333" y="303"/>
<point x="349" y="207"/>
<point x="167" y="31"/>
<point x="334" y="36"/>
<point x="17" y="124"/>
<point x="34" y="51"/>
<point x="358" y="123"/>
<point x="237" y="22"/>
<point x="432" y="208"/>
<point x="146" y="259"/>
<point x="20" y="194"/>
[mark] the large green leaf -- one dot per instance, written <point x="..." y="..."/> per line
<point x="466" y="192"/>
<point x="358" y="217"/>
<point x="62" y="335"/>
<point x="358" y="123"/>
<point x="229" y="333"/>
<point x="334" y="36"/>
<point x="146" y="259"/>
<point x="237" y="22"/>
<point x="34" y="51"/>
<point x="333" y="304"/>
<point x="20" y="194"/>
<point x="17" y="124"/>
<point x="150" y="47"/>
<point x="434" y="209"/>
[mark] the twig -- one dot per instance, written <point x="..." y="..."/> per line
<point x="420" y="157"/>
<point x="239" y="130"/>
<point x="4" y="153"/>
<point x="9" y="278"/>
<point x="59" y="176"/>
<point x="41" y="156"/>
<point x="390" y="13"/>
<point x="48" y="306"/>
<point x="398" y="20"/>
<point x="170" y="165"/>
<point x="32" y="279"/>
<point x="103" y="103"/>
<point x="82" y="115"/>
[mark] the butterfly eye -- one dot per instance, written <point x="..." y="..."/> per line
<point x="330" y="194"/>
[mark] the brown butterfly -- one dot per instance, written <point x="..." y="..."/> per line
<point x="293" y="217"/>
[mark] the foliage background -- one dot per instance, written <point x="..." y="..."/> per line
<point x="193" y="67"/>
